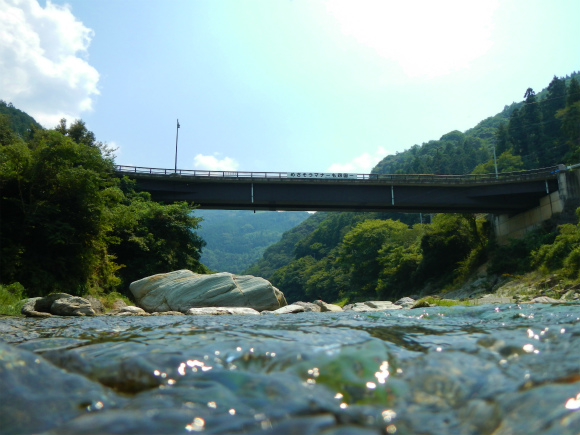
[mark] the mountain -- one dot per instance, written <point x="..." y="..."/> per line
<point x="237" y="238"/>
<point x="19" y="122"/>
<point x="349" y="256"/>
<point x="532" y="131"/>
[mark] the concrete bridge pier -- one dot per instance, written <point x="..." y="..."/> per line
<point x="559" y="204"/>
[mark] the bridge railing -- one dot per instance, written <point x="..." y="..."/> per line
<point x="534" y="174"/>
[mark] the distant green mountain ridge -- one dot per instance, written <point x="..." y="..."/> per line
<point x="237" y="238"/>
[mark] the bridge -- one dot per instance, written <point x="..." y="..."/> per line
<point x="501" y="194"/>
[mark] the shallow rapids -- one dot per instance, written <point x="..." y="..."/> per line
<point x="490" y="369"/>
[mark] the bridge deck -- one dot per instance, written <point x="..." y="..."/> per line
<point x="489" y="193"/>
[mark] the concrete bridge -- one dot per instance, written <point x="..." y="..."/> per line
<point x="533" y="195"/>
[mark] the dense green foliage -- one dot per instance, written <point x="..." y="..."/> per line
<point x="238" y="238"/>
<point x="540" y="131"/>
<point x="350" y="256"/>
<point x="11" y="297"/>
<point x="377" y="257"/>
<point x="19" y="122"/>
<point x="282" y="252"/>
<point x="69" y="224"/>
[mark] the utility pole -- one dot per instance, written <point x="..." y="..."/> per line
<point x="176" y="139"/>
<point x="495" y="162"/>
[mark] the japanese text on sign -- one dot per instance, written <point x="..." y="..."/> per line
<point x="333" y="175"/>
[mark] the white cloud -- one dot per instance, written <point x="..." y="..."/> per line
<point x="43" y="66"/>
<point x="362" y="164"/>
<point x="425" y="37"/>
<point x="213" y="163"/>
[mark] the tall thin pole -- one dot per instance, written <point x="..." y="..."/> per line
<point x="495" y="162"/>
<point x="176" y="139"/>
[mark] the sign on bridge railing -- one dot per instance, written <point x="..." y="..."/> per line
<point x="333" y="175"/>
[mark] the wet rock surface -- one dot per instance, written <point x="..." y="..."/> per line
<point x="490" y="369"/>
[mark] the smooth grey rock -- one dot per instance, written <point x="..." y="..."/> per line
<point x="383" y="305"/>
<point x="421" y="304"/>
<point x="73" y="306"/>
<point x="183" y="289"/>
<point x="544" y="300"/>
<point x="118" y="304"/>
<point x="492" y="299"/>
<point x="61" y="304"/>
<point x="32" y="306"/>
<point x="96" y="305"/>
<point x="168" y="313"/>
<point x="370" y="306"/>
<point x="324" y="307"/>
<point x="218" y="311"/>
<point x="289" y="309"/>
<point x="40" y="306"/>
<point x="132" y="309"/>
<point x="309" y="307"/>
<point x="128" y="310"/>
<point x="406" y="302"/>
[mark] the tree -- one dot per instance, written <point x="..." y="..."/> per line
<point x="291" y="279"/>
<point x="533" y="134"/>
<point x="69" y="224"/>
<point x="573" y="92"/>
<point x="52" y="213"/>
<point x="358" y="253"/>
<point x="147" y="238"/>
<point x="445" y="243"/>
<point x="506" y="162"/>
<point x="501" y="139"/>
<point x="516" y="133"/>
<point x="555" y="100"/>
<point x="570" y="118"/>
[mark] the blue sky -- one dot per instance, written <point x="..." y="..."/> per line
<point x="278" y="85"/>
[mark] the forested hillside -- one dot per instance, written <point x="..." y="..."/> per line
<point x="350" y="256"/>
<point x="237" y="238"/>
<point x="537" y="132"/>
<point x="68" y="223"/>
<point x="19" y="122"/>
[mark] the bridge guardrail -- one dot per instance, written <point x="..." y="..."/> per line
<point x="534" y="174"/>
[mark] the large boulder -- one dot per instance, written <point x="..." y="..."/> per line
<point x="61" y="304"/>
<point x="73" y="306"/>
<point x="183" y="289"/>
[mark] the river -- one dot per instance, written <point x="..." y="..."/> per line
<point x="488" y="369"/>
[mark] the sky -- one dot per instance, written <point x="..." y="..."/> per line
<point x="278" y="85"/>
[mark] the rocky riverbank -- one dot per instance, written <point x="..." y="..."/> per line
<point x="184" y="292"/>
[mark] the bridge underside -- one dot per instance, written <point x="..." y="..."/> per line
<point x="263" y="194"/>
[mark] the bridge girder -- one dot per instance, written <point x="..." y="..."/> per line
<point x="347" y="195"/>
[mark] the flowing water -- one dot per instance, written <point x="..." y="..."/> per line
<point x="505" y="369"/>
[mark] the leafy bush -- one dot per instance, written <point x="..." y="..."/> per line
<point x="563" y="254"/>
<point x="515" y="257"/>
<point x="11" y="298"/>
